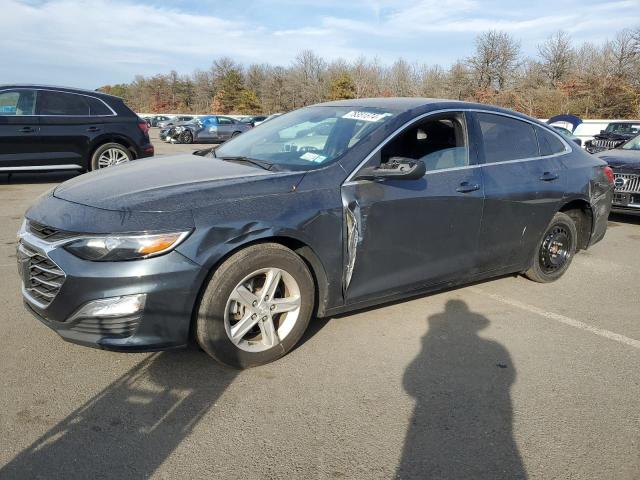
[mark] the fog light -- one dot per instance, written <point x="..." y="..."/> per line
<point x="124" y="306"/>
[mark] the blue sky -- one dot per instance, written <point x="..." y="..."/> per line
<point x="88" y="43"/>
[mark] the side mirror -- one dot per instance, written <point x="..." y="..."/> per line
<point x="400" y="168"/>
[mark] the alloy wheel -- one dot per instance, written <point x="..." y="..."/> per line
<point x="262" y="309"/>
<point x="112" y="156"/>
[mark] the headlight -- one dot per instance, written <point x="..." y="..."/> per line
<point x="179" y="129"/>
<point x="125" y="247"/>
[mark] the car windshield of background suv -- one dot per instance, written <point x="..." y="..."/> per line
<point x="633" y="144"/>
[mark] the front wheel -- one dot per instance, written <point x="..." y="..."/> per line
<point x="555" y="250"/>
<point x="186" y="137"/>
<point x="256" y="306"/>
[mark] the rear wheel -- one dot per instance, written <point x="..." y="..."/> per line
<point x="110" y="154"/>
<point x="235" y="134"/>
<point x="256" y="307"/>
<point x="555" y="250"/>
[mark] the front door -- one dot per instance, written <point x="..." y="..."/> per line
<point x="19" y="128"/>
<point x="406" y="234"/>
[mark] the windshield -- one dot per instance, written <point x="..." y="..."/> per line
<point x="625" y="128"/>
<point x="307" y="138"/>
<point x="633" y="144"/>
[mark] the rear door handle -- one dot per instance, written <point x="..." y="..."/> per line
<point x="549" y="177"/>
<point x="26" y="130"/>
<point x="93" y="129"/>
<point x="466" y="187"/>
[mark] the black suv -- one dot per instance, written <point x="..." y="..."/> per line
<point x="55" y="128"/>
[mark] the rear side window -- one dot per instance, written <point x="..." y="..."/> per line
<point x="224" y="121"/>
<point x="60" y="103"/>
<point x="97" y="107"/>
<point x="506" y="138"/>
<point x="549" y="143"/>
<point x="17" y="102"/>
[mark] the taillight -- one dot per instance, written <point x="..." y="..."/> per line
<point x="144" y="126"/>
<point x="609" y="174"/>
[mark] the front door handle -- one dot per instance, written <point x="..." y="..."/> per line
<point x="93" y="129"/>
<point x="27" y="130"/>
<point x="549" y="177"/>
<point x="466" y="187"/>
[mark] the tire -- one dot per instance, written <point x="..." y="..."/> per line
<point x="186" y="137"/>
<point x="555" y="250"/>
<point x="247" y="271"/>
<point x="102" y="158"/>
<point x="235" y="134"/>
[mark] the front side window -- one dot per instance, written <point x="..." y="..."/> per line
<point x="306" y="138"/>
<point x="62" y="104"/>
<point x="506" y="138"/>
<point x="439" y="141"/>
<point x="17" y="102"/>
<point x="548" y="142"/>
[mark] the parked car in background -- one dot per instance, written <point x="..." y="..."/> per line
<point x="253" y="120"/>
<point x="568" y="135"/>
<point x="270" y="117"/>
<point x="167" y="133"/>
<point x="173" y="120"/>
<point x="613" y="136"/>
<point x="158" y="118"/>
<point x="209" y="129"/>
<point x="55" y="128"/>
<point x="241" y="247"/>
<point x="625" y="162"/>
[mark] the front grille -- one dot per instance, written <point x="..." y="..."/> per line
<point x="49" y="234"/>
<point x="627" y="183"/>
<point x="607" y="144"/>
<point x="41" y="277"/>
<point x="108" y="327"/>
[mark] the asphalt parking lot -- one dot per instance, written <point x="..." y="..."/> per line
<point x="502" y="379"/>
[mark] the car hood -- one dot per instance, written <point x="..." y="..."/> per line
<point x="619" y="158"/>
<point x="175" y="183"/>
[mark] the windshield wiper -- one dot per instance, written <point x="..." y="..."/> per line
<point x="253" y="161"/>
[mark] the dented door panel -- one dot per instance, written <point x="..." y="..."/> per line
<point x="402" y="234"/>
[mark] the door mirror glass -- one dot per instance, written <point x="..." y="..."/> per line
<point x="400" y="168"/>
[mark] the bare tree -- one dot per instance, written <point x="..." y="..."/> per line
<point x="556" y="57"/>
<point x="496" y="59"/>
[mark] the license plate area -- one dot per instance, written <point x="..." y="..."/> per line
<point x="623" y="199"/>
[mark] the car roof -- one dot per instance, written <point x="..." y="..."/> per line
<point x="404" y="104"/>
<point x="82" y="91"/>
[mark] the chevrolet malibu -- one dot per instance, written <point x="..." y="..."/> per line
<point x="326" y="209"/>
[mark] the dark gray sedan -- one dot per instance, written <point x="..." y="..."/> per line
<point x="210" y="129"/>
<point x="323" y="210"/>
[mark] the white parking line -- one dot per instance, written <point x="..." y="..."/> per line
<point x="561" y="318"/>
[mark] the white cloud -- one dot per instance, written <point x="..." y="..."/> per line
<point x="91" y="42"/>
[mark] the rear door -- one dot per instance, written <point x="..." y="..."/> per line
<point x="19" y="140"/>
<point x="524" y="184"/>
<point x="67" y="127"/>
<point x="226" y="127"/>
<point x="405" y="234"/>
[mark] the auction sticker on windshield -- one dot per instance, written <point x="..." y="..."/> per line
<point x="365" y="116"/>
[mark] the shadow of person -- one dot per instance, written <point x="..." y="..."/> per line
<point x="132" y="426"/>
<point x="462" y="423"/>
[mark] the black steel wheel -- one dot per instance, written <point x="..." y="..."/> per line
<point x="555" y="250"/>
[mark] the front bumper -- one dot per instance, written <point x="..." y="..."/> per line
<point x="170" y="282"/>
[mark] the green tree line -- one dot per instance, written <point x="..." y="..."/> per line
<point x="589" y="80"/>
